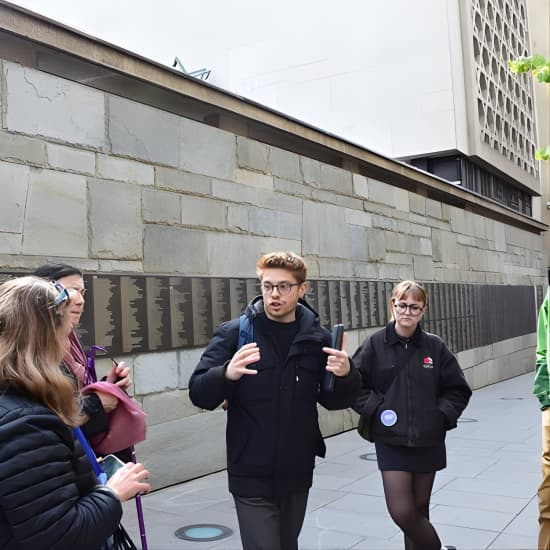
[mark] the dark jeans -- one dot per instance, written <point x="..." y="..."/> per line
<point x="271" y="523"/>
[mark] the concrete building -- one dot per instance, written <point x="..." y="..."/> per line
<point x="426" y="82"/>
<point x="166" y="189"/>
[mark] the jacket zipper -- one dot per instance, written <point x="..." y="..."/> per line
<point x="409" y="399"/>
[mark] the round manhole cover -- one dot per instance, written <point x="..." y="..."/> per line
<point x="203" y="532"/>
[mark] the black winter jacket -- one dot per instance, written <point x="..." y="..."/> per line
<point x="272" y="430"/>
<point x="49" y="499"/>
<point x="424" y="386"/>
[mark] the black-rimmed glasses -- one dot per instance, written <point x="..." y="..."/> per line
<point x="414" y="309"/>
<point x="283" y="288"/>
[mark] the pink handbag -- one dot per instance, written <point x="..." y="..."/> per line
<point x="126" y="423"/>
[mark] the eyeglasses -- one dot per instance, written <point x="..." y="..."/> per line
<point x="282" y="288"/>
<point x="413" y="308"/>
<point x="61" y="297"/>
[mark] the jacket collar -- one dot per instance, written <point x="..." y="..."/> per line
<point x="305" y="314"/>
<point x="391" y="337"/>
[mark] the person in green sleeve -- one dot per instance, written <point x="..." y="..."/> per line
<point x="542" y="391"/>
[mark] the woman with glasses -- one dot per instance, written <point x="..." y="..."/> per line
<point x="96" y="405"/>
<point x="412" y="391"/>
<point x="49" y="496"/>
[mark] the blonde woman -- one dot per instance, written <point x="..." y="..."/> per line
<point x="412" y="392"/>
<point x="49" y="496"/>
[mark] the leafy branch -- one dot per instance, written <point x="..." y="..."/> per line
<point x="540" y="68"/>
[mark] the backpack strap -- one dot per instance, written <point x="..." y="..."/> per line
<point x="246" y="331"/>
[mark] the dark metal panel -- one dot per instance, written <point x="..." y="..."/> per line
<point x="134" y="314"/>
<point x="345" y="305"/>
<point x="202" y="311"/>
<point x="221" y="310"/>
<point x="323" y="302"/>
<point x="373" y="304"/>
<point x="364" y="303"/>
<point x="131" y="313"/>
<point x="181" y="312"/>
<point x="335" y="306"/>
<point x="238" y="296"/>
<point x="355" y="304"/>
<point x="107" y="319"/>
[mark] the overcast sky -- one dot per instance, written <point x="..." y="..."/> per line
<point x="195" y="31"/>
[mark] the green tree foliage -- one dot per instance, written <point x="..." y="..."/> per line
<point x="540" y="68"/>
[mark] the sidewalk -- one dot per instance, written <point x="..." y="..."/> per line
<point x="484" y="499"/>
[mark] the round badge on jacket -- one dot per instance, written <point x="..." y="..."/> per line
<point x="388" y="417"/>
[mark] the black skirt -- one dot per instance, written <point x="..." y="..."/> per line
<point x="411" y="459"/>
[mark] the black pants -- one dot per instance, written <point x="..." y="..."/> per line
<point x="271" y="523"/>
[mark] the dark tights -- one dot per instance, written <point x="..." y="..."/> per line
<point x="408" y="501"/>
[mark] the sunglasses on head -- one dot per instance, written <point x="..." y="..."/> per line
<point x="63" y="295"/>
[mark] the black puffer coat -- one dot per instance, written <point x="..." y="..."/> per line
<point x="424" y="386"/>
<point x="273" y="430"/>
<point x="49" y="499"/>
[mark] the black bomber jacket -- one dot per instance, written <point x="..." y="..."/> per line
<point x="272" y="430"/>
<point x="409" y="396"/>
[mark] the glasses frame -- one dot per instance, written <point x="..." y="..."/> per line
<point x="404" y="307"/>
<point x="282" y="292"/>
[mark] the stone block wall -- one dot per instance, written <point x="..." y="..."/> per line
<point x="112" y="185"/>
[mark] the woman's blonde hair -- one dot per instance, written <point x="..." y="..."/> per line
<point x="405" y="288"/>
<point x="31" y="349"/>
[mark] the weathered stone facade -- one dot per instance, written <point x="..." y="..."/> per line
<point x="117" y="186"/>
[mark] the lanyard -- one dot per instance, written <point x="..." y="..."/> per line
<point x="98" y="471"/>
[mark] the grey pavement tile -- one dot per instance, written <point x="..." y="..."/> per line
<point x="353" y="523"/>
<point x="368" y="485"/>
<point x="475" y="442"/>
<point x="484" y="500"/>
<point x="344" y="443"/>
<point x="463" y="499"/>
<point x="334" y="482"/>
<point x="375" y="543"/>
<point x="501" y="472"/>
<point x="355" y="470"/>
<point x="371" y="505"/>
<point x="514" y="542"/>
<point x="465" y="538"/>
<point x="469" y="467"/>
<point x="527" y="459"/>
<point x="466" y="517"/>
<point x="511" y="488"/>
<point x="226" y="505"/>
<point x="321" y="497"/>
<point x="526" y="522"/>
<point x="354" y="456"/>
<point x="442" y="479"/>
<point x="323" y="539"/>
<point x="464" y="448"/>
<point x="334" y="476"/>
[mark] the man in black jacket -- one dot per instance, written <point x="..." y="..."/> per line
<point x="272" y="385"/>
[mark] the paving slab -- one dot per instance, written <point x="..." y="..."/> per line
<point x="484" y="500"/>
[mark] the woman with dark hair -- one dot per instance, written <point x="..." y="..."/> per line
<point x="49" y="496"/>
<point x="96" y="405"/>
<point x="412" y="391"/>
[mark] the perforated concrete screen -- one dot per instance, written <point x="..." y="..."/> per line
<point x="505" y="102"/>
